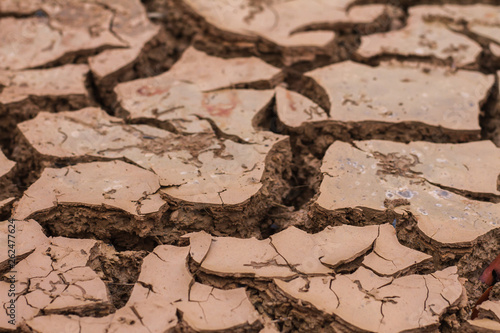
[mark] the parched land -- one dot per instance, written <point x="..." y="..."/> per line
<point x="249" y="166"/>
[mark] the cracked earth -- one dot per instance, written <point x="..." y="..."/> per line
<point x="250" y="166"/>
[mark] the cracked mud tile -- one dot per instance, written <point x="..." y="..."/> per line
<point x="382" y="176"/>
<point x="294" y="252"/>
<point x="483" y="20"/>
<point x="321" y="252"/>
<point x="425" y="35"/>
<point x="194" y="170"/>
<point x="229" y="256"/>
<point x="152" y="316"/>
<point x="164" y="273"/>
<point x="156" y="316"/>
<point x="389" y="257"/>
<point x="114" y="184"/>
<point x="65" y="81"/>
<point x="205" y="72"/>
<point x="202" y="85"/>
<point x="466" y="166"/>
<point x="54" y="278"/>
<point x="131" y="38"/>
<point x="165" y="276"/>
<point x="212" y="309"/>
<point x="77" y="27"/>
<point x="196" y="167"/>
<point x="106" y="196"/>
<point x="24" y="93"/>
<point x="69" y="323"/>
<point x="359" y="93"/>
<point x="387" y="305"/>
<point x="131" y="25"/>
<point x="279" y="23"/>
<point x="488" y="319"/>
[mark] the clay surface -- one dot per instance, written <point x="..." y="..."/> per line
<point x="428" y="33"/>
<point x="361" y="93"/>
<point x="380" y="175"/>
<point x="249" y="166"/>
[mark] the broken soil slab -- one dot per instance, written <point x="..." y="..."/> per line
<point x="234" y="113"/>
<point x="481" y="19"/>
<point x="389" y="257"/>
<point x="229" y="256"/>
<point x="424" y="36"/>
<point x="278" y="22"/>
<point x="206" y="72"/>
<point x="116" y="38"/>
<point x="321" y="252"/>
<point x="150" y="50"/>
<point x="359" y="93"/>
<point x="132" y="26"/>
<point x="381" y="177"/>
<point x="105" y="199"/>
<point x="387" y="305"/>
<point x="143" y="317"/>
<point x="54" y="278"/>
<point x="164" y="272"/>
<point x="212" y="309"/>
<point x="195" y="167"/>
<point x="113" y="184"/>
<point x="96" y="25"/>
<point x="148" y="317"/>
<point x="165" y="275"/>
<point x="24" y="93"/>
<point x="469" y="166"/>
<point x="65" y="31"/>
<point x="203" y="86"/>
<point x="293" y="252"/>
<point x="155" y="315"/>
<point x="166" y="284"/>
<point x="199" y="173"/>
<point x="69" y="323"/>
<point x="67" y="81"/>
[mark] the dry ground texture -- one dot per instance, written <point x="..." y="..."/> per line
<point x="249" y="166"/>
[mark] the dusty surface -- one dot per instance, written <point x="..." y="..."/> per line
<point x="428" y="180"/>
<point x="249" y="166"/>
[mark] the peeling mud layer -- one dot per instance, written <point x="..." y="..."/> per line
<point x="249" y="166"/>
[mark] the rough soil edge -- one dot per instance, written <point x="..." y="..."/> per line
<point x="132" y="232"/>
<point x="240" y="220"/>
